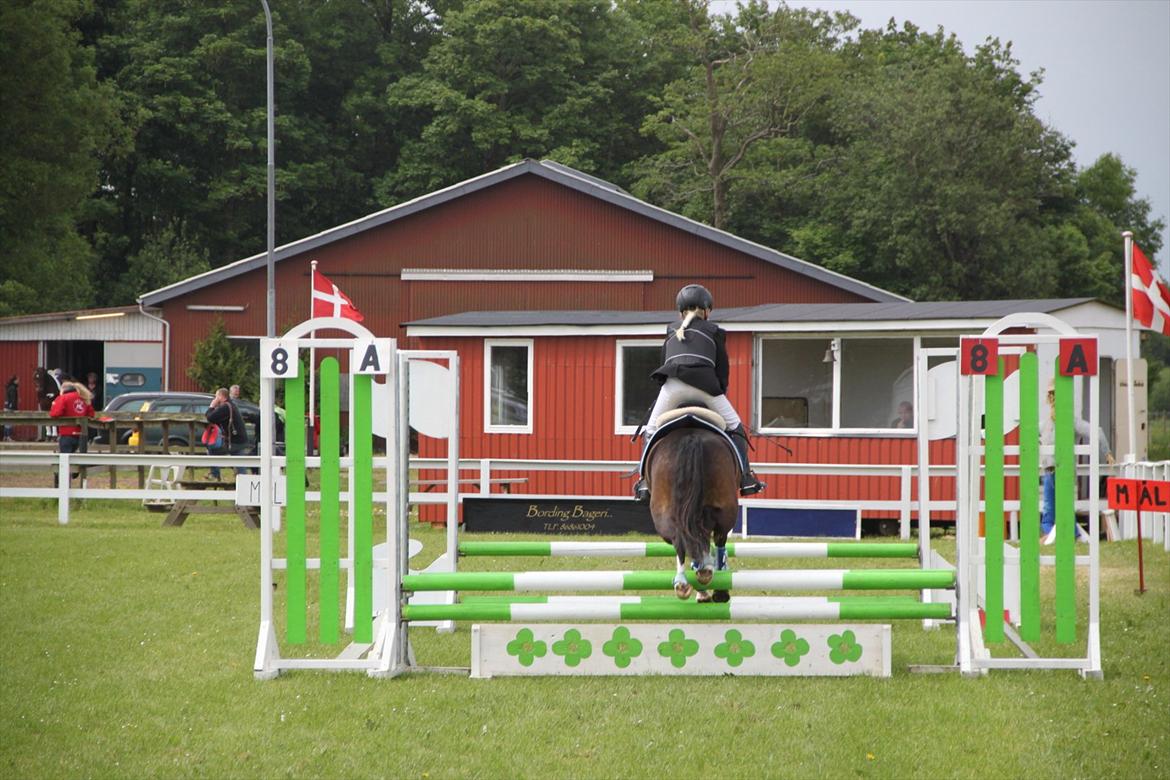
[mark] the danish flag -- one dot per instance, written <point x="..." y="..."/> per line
<point x="1151" y="298"/>
<point x="328" y="301"/>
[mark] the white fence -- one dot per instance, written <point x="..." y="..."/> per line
<point x="1154" y="525"/>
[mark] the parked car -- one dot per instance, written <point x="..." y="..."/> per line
<point x="180" y="403"/>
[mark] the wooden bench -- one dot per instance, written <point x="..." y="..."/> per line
<point x="249" y="515"/>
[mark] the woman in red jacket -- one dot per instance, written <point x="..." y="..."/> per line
<point x="74" y="401"/>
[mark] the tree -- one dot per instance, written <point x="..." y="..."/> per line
<point x="56" y="119"/>
<point x="755" y="77"/>
<point x="217" y="362"/>
<point x="166" y="257"/>
<point x="939" y="181"/>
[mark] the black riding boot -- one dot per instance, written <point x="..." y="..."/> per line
<point x="641" y="489"/>
<point x="749" y="485"/>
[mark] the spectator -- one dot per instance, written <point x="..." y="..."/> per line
<point x="11" y="402"/>
<point x="95" y="390"/>
<point x="1047" y="462"/>
<point x="72" y="402"/>
<point x="905" y="418"/>
<point x="234" y="393"/>
<point x="224" y="413"/>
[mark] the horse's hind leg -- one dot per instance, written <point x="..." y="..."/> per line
<point x="682" y="588"/>
<point x="721" y="596"/>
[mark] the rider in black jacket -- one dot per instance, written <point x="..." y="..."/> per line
<point x="695" y="369"/>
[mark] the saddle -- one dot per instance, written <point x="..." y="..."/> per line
<point x="688" y="417"/>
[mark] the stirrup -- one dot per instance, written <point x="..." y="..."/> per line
<point x="753" y="487"/>
<point x="641" y="492"/>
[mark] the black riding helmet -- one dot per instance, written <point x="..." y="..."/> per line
<point x="694" y="296"/>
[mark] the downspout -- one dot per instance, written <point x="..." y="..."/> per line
<point x="166" y="375"/>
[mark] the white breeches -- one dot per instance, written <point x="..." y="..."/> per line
<point x="675" y="392"/>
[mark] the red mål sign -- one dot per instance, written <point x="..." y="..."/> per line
<point x="1144" y="495"/>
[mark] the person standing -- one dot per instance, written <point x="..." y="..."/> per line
<point x="95" y="390"/>
<point x="234" y="435"/>
<point x="11" y="402"/>
<point x="72" y="402"/>
<point x="234" y="393"/>
<point x="1048" y="463"/>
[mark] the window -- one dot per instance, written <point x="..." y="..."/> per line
<point x="508" y="386"/>
<point x="862" y="384"/>
<point x="636" y="391"/>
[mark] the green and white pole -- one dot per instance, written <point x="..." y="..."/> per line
<point x="763" y="579"/>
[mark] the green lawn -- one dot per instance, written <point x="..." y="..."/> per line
<point x="127" y="652"/>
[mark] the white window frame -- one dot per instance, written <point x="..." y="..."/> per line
<point x="619" y="374"/>
<point x="834" y="340"/>
<point x="488" y="345"/>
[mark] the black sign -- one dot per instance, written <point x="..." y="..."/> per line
<point x="556" y="516"/>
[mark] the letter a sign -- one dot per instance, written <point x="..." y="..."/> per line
<point x="1078" y="357"/>
<point x="371" y="356"/>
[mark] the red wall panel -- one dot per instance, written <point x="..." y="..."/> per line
<point x="19" y="359"/>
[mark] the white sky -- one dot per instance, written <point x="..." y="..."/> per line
<point x="1106" y="82"/>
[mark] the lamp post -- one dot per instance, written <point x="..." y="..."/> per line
<point x="271" y="330"/>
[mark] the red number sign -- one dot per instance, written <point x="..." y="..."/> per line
<point x="979" y="356"/>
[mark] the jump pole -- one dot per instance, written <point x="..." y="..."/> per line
<point x="664" y="550"/>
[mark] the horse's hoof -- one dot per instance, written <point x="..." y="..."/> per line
<point x="683" y="590"/>
<point x="704" y="575"/>
<point x="704" y="597"/>
<point x="722" y="597"/>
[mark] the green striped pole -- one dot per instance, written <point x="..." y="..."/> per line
<point x="993" y="506"/>
<point x="1066" y="533"/>
<point x="294" y="470"/>
<point x="793" y="579"/>
<point x="1029" y="497"/>
<point x="663" y="550"/>
<point x="792" y="608"/>
<point x="330" y="573"/>
<point x="363" y="509"/>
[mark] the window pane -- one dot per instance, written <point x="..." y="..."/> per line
<point x="639" y="391"/>
<point x="797" y="384"/>
<point x="509" y="399"/>
<point x="877" y="378"/>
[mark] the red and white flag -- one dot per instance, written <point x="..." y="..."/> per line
<point x="1151" y="297"/>
<point x="328" y="301"/>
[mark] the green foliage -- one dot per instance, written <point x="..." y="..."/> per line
<point x="56" y="119"/>
<point x="165" y="258"/>
<point x="217" y="362"/>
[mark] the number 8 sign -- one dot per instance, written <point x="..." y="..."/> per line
<point x="278" y="359"/>
<point x="979" y="356"/>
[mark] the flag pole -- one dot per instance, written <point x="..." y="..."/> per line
<point x="1131" y="454"/>
<point x="312" y="355"/>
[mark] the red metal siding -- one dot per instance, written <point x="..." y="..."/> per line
<point x="523" y="223"/>
<point x="19" y="358"/>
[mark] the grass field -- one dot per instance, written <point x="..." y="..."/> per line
<point x="127" y="652"/>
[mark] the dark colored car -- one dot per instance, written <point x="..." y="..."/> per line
<point x="181" y="403"/>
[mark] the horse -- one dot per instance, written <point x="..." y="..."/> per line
<point x="47" y="388"/>
<point x="694" y="500"/>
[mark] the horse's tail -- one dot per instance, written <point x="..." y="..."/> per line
<point x="689" y="499"/>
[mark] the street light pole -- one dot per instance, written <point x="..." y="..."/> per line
<point x="271" y="180"/>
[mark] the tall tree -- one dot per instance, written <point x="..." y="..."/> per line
<point x="55" y="121"/>
<point x="941" y="182"/>
<point x="756" y="76"/>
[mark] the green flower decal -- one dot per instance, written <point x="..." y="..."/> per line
<point x="734" y="648"/>
<point x="678" y="648"/>
<point x="622" y="648"/>
<point x="526" y="647"/>
<point x="790" y="647"/>
<point x="844" y="647"/>
<point x="573" y="648"/>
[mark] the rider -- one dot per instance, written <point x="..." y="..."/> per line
<point x="695" y="369"/>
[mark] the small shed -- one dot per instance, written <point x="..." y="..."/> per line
<point x="123" y="345"/>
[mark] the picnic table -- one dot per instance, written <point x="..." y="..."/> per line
<point x="249" y="515"/>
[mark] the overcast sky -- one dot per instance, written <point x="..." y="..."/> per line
<point x="1106" y="82"/>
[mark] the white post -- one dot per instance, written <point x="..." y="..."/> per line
<point x="1131" y="455"/>
<point x="312" y="358"/>
<point x="453" y="467"/>
<point x="63" y="488"/>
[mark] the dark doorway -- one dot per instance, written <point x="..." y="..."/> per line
<point x="76" y="358"/>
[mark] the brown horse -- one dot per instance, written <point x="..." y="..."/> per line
<point x="694" y="500"/>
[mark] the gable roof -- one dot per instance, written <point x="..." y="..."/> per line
<point x="546" y="169"/>
<point x="790" y="316"/>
